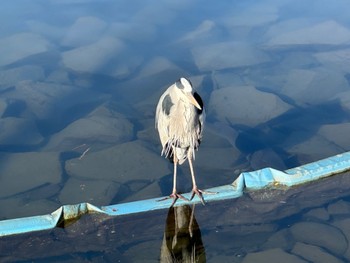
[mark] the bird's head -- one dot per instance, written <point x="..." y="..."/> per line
<point x="186" y="91"/>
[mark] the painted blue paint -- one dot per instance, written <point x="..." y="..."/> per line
<point x="30" y="224"/>
<point x="219" y="193"/>
<point x="248" y="180"/>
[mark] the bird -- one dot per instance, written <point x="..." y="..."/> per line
<point x="179" y="120"/>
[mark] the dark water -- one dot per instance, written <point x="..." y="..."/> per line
<point x="268" y="225"/>
<point x="79" y="82"/>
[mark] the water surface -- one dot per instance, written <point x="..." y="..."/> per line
<point x="79" y="82"/>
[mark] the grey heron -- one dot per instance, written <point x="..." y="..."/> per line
<point x="179" y="120"/>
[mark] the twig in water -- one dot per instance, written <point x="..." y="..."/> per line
<point x="79" y="146"/>
<point x="83" y="154"/>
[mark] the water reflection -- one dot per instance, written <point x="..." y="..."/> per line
<point x="182" y="241"/>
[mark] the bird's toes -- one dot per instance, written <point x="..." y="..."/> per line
<point x="198" y="192"/>
<point x="175" y="196"/>
<point x="208" y="192"/>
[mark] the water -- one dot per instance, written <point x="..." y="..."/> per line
<point x="79" y="82"/>
<point x="263" y="225"/>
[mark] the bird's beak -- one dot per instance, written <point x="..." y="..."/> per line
<point x="193" y="101"/>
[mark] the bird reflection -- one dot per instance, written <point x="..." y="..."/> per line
<point x="182" y="240"/>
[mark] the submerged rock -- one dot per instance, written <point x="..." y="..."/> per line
<point x="46" y="28"/>
<point x="257" y="15"/>
<point x="315" y="86"/>
<point x="266" y="158"/>
<point x="24" y="171"/>
<point x="314" y="253"/>
<point x="322" y="235"/>
<point x="206" y="31"/>
<point x="317" y="214"/>
<point x="344" y="100"/>
<point x="157" y="65"/>
<point x="3" y="107"/>
<point x="280" y="239"/>
<point x="311" y="148"/>
<point x="339" y="208"/>
<point x="121" y="163"/>
<point x="339" y="59"/>
<point x="343" y="225"/>
<point x="96" y="192"/>
<point x="219" y="134"/>
<point x="84" y="31"/>
<point x="11" y="77"/>
<point x="157" y="74"/>
<point x="245" y="105"/>
<point x="19" y="132"/>
<point x="222" y="79"/>
<point x="17" y="207"/>
<point x="227" y="55"/>
<point x="45" y="100"/>
<point x="20" y="46"/>
<point x="93" y="58"/>
<point x="59" y="76"/>
<point x="216" y="158"/>
<point x="313" y="35"/>
<point x="151" y="190"/>
<point x="337" y="133"/>
<point x="272" y="255"/>
<point x="100" y="128"/>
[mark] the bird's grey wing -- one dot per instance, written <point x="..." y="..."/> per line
<point x="201" y="122"/>
<point x="162" y="121"/>
<point x="164" y="106"/>
<point x="201" y="115"/>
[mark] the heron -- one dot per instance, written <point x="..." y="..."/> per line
<point x="179" y="120"/>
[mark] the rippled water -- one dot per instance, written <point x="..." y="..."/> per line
<point x="79" y="82"/>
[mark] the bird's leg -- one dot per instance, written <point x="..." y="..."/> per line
<point x="174" y="195"/>
<point x="195" y="190"/>
<point x="175" y="173"/>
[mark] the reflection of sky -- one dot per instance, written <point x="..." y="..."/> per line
<point x="79" y="81"/>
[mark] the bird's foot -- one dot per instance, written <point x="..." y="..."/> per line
<point x="199" y="192"/>
<point x="174" y="196"/>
